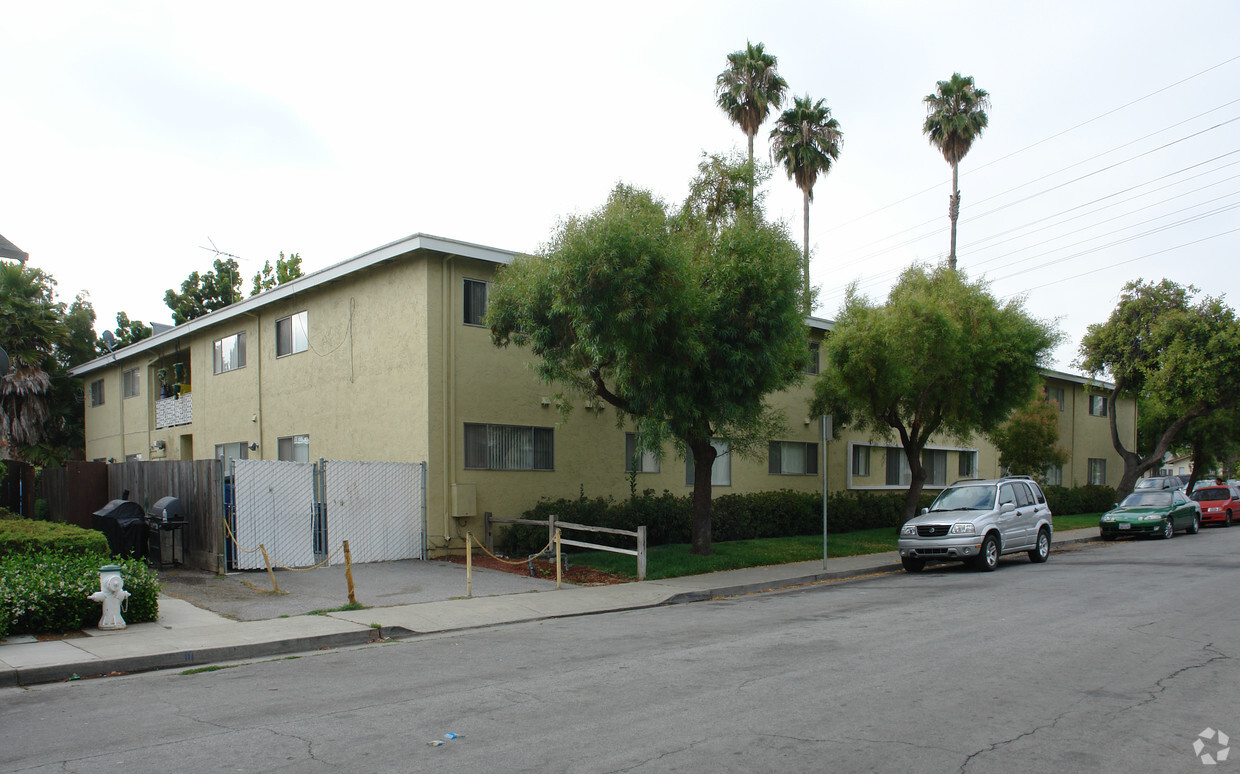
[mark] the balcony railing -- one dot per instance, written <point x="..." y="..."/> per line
<point x="172" y="412"/>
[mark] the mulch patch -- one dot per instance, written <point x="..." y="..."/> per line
<point x="578" y="576"/>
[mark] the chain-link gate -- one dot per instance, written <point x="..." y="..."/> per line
<point x="303" y="511"/>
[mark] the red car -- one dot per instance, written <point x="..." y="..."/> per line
<point x="1219" y="503"/>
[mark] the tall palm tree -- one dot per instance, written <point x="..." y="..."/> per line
<point x="955" y="117"/>
<point x="749" y="89"/>
<point x="30" y="326"/>
<point x="806" y="140"/>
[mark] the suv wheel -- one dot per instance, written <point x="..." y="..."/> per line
<point x="1043" y="550"/>
<point x="912" y="563"/>
<point x="1168" y="529"/>
<point x="988" y="559"/>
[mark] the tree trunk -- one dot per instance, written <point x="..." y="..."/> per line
<point x="953" y="212"/>
<point x="917" y="481"/>
<point x="805" y="263"/>
<point x="751" y="171"/>
<point x="1135" y="464"/>
<point x="703" y="460"/>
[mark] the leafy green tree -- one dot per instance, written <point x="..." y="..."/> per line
<point x="270" y="276"/>
<point x="682" y="322"/>
<point x="202" y="293"/>
<point x="1179" y="356"/>
<point x="749" y="89"/>
<point x="1214" y="442"/>
<point x="1028" y="440"/>
<point x="127" y="332"/>
<point x="956" y="116"/>
<point x="806" y="140"/>
<point x="941" y="356"/>
<point x="40" y="404"/>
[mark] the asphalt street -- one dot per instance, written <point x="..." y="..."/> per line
<point x="1108" y="658"/>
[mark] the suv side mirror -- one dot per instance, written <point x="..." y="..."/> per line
<point x="1007" y="507"/>
<point x="925" y="510"/>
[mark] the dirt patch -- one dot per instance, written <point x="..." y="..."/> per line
<point x="578" y="576"/>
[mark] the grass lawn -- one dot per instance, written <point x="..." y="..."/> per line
<point x="674" y="560"/>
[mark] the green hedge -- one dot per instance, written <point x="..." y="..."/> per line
<point x="46" y="592"/>
<point x="23" y="536"/>
<point x="757" y="515"/>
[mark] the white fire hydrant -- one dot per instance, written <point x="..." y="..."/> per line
<point x="112" y="594"/>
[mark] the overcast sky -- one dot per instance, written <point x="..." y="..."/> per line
<point x="135" y="134"/>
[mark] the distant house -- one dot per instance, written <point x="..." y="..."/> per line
<point x="384" y="357"/>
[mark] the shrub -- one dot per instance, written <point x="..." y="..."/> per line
<point x="47" y="591"/>
<point x="1090" y="498"/>
<point x="668" y="518"/>
<point x="19" y="536"/>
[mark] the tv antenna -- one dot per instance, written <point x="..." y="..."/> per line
<point x="218" y="252"/>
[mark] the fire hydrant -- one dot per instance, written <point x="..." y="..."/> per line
<point x="112" y="594"/>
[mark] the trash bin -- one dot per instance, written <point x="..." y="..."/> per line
<point x="124" y="525"/>
<point x="165" y="517"/>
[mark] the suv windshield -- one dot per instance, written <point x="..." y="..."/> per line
<point x="965" y="498"/>
<point x="1213" y="493"/>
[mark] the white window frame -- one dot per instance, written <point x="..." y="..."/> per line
<point x="227" y="452"/>
<point x="905" y="473"/>
<point x="647" y="462"/>
<point x="1101" y="402"/>
<point x="971" y="456"/>
<point x="466" y="302"/>
<point x="1055" y="394"/>
<point x="720" y="471"/>
<point x="218" y="361"/>
<point x="508" y="447"/>
<point x="298" y="326"/>
<point x="1054" y="475"/>
<point x="859" y="455"/>
<point x="131" y="383"/>
<point x="782" y="458"/>
<point x="96" y="393"/>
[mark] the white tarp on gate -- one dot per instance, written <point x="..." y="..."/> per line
<point x="275" y="508"/>
<point x="378" y="507"/>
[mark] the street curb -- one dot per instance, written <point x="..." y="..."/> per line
<point x="189" y="659"/>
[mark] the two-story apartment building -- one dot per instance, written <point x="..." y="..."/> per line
<point x="384" y="357"/>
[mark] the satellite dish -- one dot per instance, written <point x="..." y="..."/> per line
<point x="109" y="340"/>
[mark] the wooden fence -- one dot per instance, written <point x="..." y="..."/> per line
<point x="73" y="493"/>
<point x="553" y="524"/>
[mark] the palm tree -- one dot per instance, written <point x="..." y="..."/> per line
<point x="749" y="89"/>
<point x="955" y="117"/>
<point x="31" y="326"/>
<point x="806" y="139"/>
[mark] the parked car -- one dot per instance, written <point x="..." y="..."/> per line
<point x="977" y="521"/>
<point x="1219" y="503"/>
<point x="1160" y="482"/>
<point x="1161" y="512"/>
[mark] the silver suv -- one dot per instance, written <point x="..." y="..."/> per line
<point x="976" y="521"/>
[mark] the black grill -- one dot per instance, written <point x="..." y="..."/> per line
<point x="932" y="530"/>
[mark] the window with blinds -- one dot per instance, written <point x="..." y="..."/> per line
<point x="509" y="447"/>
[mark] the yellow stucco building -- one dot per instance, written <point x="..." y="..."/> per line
<point x="383" y="357"/>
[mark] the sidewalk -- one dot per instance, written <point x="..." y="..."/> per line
<point x="187" y="636"/>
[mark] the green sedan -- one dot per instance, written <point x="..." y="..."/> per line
<point x="1152" y="512"/>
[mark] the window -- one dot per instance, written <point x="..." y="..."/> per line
<point x="793" y="458"/>
<point x="1054" y="476"/>
<point x="1007" y="494"/>
<point x="968" y="464"/>
<point x="898" y="472"/>
<point x="475" y="301"/>
<point x="1097" y="471"/>
<point x="509" y="447"/>
<point x="230" y="353"/>
<point x="935" y="463"/>
<point x="1098" y="405"/>
<point x="1023" y="498"/>
<point x="720" y="472"/>
<point x="861" y="460"/>
<point x="293" y="448"/>
<point x="130" y="382"/>
<point x="96" y="392"/>
<point x="645" y="462"/>
<point x="229" y="452"/>
<point x="1054" y="395"/>
<point x="812" y="366"/>
<point x="292" y="334"/>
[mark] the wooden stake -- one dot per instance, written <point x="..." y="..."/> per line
<point x="348" y="572"/>
<point x="267" y="559"/>
<point x="557" y="558"/>
<point x="469" y="564"/>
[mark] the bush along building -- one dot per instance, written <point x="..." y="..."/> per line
<point x="385" y="357"/>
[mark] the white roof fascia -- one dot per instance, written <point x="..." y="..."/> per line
<point x="302" y="284"/>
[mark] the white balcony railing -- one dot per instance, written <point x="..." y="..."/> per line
<point x="171" y="412"/>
